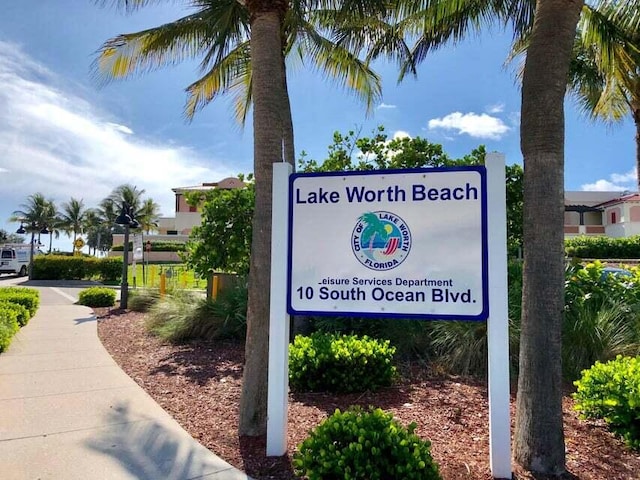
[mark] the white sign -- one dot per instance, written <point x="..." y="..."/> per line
<point x="396" y="243"/>
<point x="137" y="247"/>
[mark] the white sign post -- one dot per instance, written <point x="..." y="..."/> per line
<point x="410" y="244"/>
<point x="278" y="378"/>
<point x="498" y="322"/>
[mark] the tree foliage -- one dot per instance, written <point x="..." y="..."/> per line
<point x="222" y="241"/>
<point x="350" y="152"/>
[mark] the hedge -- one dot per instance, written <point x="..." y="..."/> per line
<point x="27" y="297"/>
<point x="603" y="247"/>
<point x="60" y="267"/>
<point x="155" y="247"/>
<point x="22" y="312"/>
<point x="8" y="326"/>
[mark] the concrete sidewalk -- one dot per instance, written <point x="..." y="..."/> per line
<point x="67" y="411"/>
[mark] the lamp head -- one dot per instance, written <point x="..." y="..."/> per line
<point x="21" y="230"/>
<point x="123" y="218"/>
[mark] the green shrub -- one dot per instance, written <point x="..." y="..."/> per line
<point x="603" y="247"/>
<point x="110" y="269"/>
<point x="141" y="300"/>
<point x="340" y="363"/>
<point x="162" y="246"/>
<point x="8" y="326"/>
<point x="173" y="316"/>
<point x="23" y="315"/>
<point x="61" y="267"/>
<point x="368" y="445"/>
<point x="184" y="316"/>
<point x="97" y="297"/>
<point x="597" y="333"/>
<point x="27" y="297"/>
<point x="611" y="391"/>
<point x="411" y="338"/>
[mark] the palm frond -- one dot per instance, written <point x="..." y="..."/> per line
<point x="339" y="64"/>
<point x="221" y="78"/>
<point x="150" y="49"/>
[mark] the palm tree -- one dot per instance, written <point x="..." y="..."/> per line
<point x="127" y="194"/>
<point x="604" y="76"/>
<point x="37" y="214"/>
<point x="539" y="442"/>
<point x="243" y="45"/>
<point x="97" y="225"/>
<point x="606" y="68"/>
<point x="72" y="218"/>
<point x="148" y="215"/>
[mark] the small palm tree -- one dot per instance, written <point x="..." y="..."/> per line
<point x="72" y="218"/>
<point x="148" y="215"/>
<point x="36" y="214"/>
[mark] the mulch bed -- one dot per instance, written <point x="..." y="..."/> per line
<point x="199" y="384"/>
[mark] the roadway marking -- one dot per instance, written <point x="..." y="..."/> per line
<point x="65" y="295"/>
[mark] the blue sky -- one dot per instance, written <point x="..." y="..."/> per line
<point x="64" y="135"/>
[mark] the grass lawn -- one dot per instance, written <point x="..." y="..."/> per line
<point x="178" y="276"/>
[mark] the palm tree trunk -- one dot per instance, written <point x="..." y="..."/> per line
<point x="287" y="123"/>
<point x="539" y="436"/>
<point x="636" y="121"/>
<point x="266" y="61"/>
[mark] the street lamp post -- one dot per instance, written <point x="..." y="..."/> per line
<point x="21" y="231"/>
<point x="127" y="221"/>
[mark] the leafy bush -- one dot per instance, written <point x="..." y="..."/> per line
<point x="60" y="267"/>
<point x="97" y="297"/>
<point x="587" y="285"/>
<point x="8" y="326"/>
<point x="611" y="391"/>
<point x="364" y="445"/>
<point x="411" y="338"/>
<point x="340" y="363"/>
<point x="141" y="300"/>
<point x="27" y="297"/>
<point x="23" y="315"/>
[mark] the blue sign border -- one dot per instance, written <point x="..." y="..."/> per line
<point x="482" y="316"/>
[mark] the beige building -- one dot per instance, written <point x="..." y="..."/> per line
<point x="178" y="227"/>
<point x="613" y="214"/>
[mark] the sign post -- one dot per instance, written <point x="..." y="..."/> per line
<point x="419" y="243"/>
<point x="498" y="323"/>
<point x="278" y="386"/>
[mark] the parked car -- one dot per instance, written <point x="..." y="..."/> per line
<point x="620" y="273"/>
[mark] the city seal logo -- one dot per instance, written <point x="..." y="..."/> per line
<point x="381" y="240"/>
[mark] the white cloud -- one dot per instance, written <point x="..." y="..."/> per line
<point x="401" y="134"/>
<point x="618" y="182"/>
<point x="472" y="124"/>
<point x="55" y="142"/>
<point x="630" y="176"/>
<point x="385" y="106"/>
<point x="496" y="108"/>
<point x="602" y="186"/>
<point x="121" y="128"/>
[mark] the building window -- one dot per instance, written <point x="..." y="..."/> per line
<point x="172" y="232"/>
<point x="614" y="218"/>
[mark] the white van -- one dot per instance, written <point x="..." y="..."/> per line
<point x="14" y="258"/>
